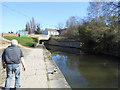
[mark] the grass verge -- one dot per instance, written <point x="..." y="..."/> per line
<point x="25" y="41"/>
<point x="65" y="38"/>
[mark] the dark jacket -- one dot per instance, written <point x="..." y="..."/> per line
<point x="12" y="55"/>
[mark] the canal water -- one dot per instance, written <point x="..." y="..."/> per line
<point x="85" y="71"/>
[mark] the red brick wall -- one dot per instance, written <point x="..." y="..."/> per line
<point x="10" y="34"/>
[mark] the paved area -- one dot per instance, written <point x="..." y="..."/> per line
<point x="38" y="70"/>
<point x="35" y="76"/>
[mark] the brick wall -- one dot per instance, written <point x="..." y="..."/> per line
<point x="10" y="34"/>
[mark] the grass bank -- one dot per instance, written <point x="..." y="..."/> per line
<point x="25" y="41"/>
<point x="65" y="38"/>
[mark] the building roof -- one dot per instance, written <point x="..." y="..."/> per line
<point x="51" y="29"/>
<point x="62" y="29"/>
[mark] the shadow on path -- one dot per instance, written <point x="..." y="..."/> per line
<point x="1" y="87"/>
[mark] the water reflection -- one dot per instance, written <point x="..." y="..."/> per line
<point x="87" y="71"/>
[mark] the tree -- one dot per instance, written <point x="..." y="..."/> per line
<point x="111" y="11"/>
<point x="28" y="28"/>
<point x="72" y="21"/>
<point x="38" y="31"/>
<point x="100" y="33"/>
<point x="89" y="36"/>
<point x="72" y="26"/>
<point x="32" y="25"/>
<point x="94" y="10"/>
<point x="60" y="26"/>
<point x="111" y="8"/>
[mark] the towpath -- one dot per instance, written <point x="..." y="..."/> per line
<point x="37" y="71"/>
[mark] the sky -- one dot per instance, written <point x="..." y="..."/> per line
<point x="15" y="15"/>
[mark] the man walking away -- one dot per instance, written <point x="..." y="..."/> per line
<point x="12" y="57"/>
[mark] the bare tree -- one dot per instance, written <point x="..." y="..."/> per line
<point x="72" y="21"/>
<point x="105" y="8"/>
<point x="94" y="10"/>
<point x="32" y="25"/>
<point x="72" y="26"/>
<point x="111" y="8"/>
<point x="60" y="26"/>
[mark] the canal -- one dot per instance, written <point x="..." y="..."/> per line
<point x="86" y="71"/>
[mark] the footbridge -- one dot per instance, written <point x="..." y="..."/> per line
<point x="42" y="38"/>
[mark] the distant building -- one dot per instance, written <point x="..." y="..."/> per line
<point x="23" y="33"/>
<point x="50" y="32"/>
<point x="62" y="31"/>
<point x="9" y="34"/>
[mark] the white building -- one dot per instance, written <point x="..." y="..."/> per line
<point x="50" y="32"/>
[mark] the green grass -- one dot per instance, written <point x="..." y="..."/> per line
<point x="65" y="38"/>
<point x="25" y="41"/>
